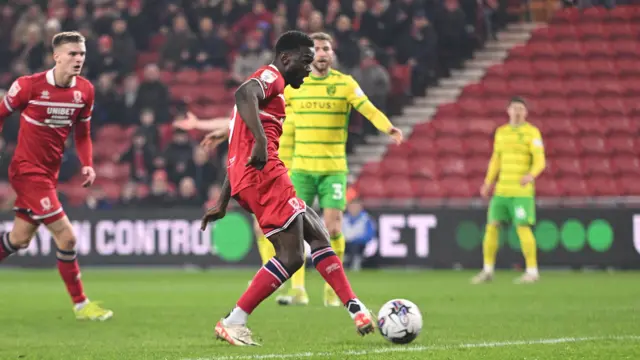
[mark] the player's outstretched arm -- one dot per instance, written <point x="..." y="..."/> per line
<point x="220" y="209"/>
<point x="192" y="122"/>
<point x="364" y="106"/>
<point x="247" y="97"/>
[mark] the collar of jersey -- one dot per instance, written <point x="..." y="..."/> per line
<point x="320" y="78"/>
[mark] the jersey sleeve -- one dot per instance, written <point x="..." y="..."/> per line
<point x="355" y="96"/>
<point x="536" y="147"/>
<point x="271" y="82"/>
<point x="87" y="110"/>
<point x="17" y="98"/>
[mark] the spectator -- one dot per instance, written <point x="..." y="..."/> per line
<point x="203" y="170"/>
<point x="103" y="17"/>
<point x="316" y="22"/>
<point x="139" y="25"/>
<point x="161" y="194"/>
<point x="140" y="157"/>
<point x="153" y="94"/>
<point x="211" y="50"/>
<point x="176" y="51"/>
<point x="78" y="18"/>
<point x="128" y="195"/>
<point x="375" y="82"/>
<point x="70" y="164"/>
<point x="346" y="45"/>
<point x="33" y="16"/>
<point x="249" y="59"/>
<point x="187" y="193"/>
<point x="97" y="199"/>
<point x="109" y="107"/>
<point x="333" y="12"/>
<point x="258" y="18"/>
<point x="149" y="128"/>
<point x="124" y="45"/>
<point x="451" y="28"/>
<point x="227" y="13"/>
<point x="32" y="50"/>
<point x="358" y="230"/>
<point x="6" y="152"/>
<point x="178" y="155"/>
<point x="420" y="50"/>
<point x="106" y="62"/>
<point x="214" y="193"/>
<point x="129" y="99"/>
<point x="377" y="26"/>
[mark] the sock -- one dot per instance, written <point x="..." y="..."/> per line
<point x="338" y="244"/>
<point x="265" y="248"/>
<point x="330" y="267"/>
<point x="297" y="280"/>
<point x="528" y="245"/>
<point x="6" y="248"/>
<point x="266" y="281"/>
<point x="70" y="272"/>
<point x="490" y="247"/>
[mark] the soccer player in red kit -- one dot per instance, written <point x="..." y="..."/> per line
<point x="51" y="103"/>
<point x="259" y="182"/>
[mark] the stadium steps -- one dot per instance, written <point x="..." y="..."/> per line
<point x="448" y="90"/>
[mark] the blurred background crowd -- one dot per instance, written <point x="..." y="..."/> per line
<point x="151" y="61"/>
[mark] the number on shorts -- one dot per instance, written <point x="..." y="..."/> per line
<point x="337" y="192"/>
<point x="520" y="212"/>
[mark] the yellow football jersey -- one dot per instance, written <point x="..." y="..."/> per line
<point x="517" y="151"/>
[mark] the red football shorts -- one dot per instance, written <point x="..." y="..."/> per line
<point x="273" y="201"/>
<point x="37" y="199"/>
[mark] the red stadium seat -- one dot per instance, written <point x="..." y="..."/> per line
<point x="457" y="187"/>
<point x="547" y="186"/>
<point x="597" y="166"/>
<point x="626" y="165"/>
<point x="603" y="186"/>
<point x="371" y="169"/>
<point x="477" y="165"/>
<point x="562" y="146"/>
<point x="449" y="127"/>
<point x="449" y="145"/>
<point x="591" y="126"/>
<point x="394" y="166"/>
<point x="452" y="166"/>
<point x="371" y="188"/>
<point x="573" y="186"/>
<point x="593" y="145"/>
<point x="426" y="189"/>
<point x="620" y="145"/>
<point x="423" y="168"/>
<point x="566" y="166"/>
<point x="630" y="186"/>
<point x="398" y="187"/>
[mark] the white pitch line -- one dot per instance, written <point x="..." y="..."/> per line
<point x="402" y="349"/>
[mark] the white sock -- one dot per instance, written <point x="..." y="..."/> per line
<point x="354" y="307"/>
<point x="80" y="305"/>
<point x="236" y="317"/>
<point x="488" y="268"/>
<point x="532" y="271"/>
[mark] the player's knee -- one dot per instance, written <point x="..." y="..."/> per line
<point x="65" y="240"/>
<point x="293" y="259"/>
<point x="20" y="240"/>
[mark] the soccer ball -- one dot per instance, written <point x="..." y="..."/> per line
<point x="399" y="321"/>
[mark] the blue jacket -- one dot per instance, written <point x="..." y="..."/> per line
<point x="358" y="229"/>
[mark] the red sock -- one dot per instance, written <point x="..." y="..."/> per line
<point x="6" y="248"/>
<point x="70" y="273"/>
<point x="264" y="283"/>
<point x="330" y="267"/>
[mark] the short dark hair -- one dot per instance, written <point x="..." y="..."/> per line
<point x="66" y="38"/>
<point x="293" y="41"/>
<point x="518" y="100"/>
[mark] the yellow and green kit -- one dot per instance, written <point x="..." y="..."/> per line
<point x="517" y="151"/>
<point x="313" y="143"/>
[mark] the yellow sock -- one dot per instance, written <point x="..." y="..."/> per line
<point x="528" y="245"/>
<point x="297" y="280"/>
<point x="490" y="246"/>
<point x="338" y="244"/>
<point x="265" y="248"/>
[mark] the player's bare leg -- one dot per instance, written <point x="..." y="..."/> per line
<point x="18" y="238"/>
<point x="62" y="232"/>
<point x="489" y="251"/>
<point x="289" y="258"/>
<point x="331" y="269"/>
<point x="333" y="221"/>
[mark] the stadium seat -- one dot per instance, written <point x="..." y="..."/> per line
<point x="427" y="189"/>
<point x="547" y="186"/>
<point x="391" y="167"/>
<point x="371" y="188"/>
<point x="456" y="187"/>
<point x="597" y="166"/>
<point x="398" y="187"/>
<point x="574" y="187"/>
<point x="626" y="165"/>
<point x="629" y="186"/>
<point x="452" y="166"/>
<point x="423" y="167"/>
<point x="603" y="186"/>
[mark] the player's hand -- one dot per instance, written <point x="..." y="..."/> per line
<point x="89" y="176"/>
<point x="215" y="213"/>
<point x="485" y="190"/>
<point x="258" y="157"/>
<point x="188" y="123"/>
<point x="527" y="179"/>
<point x="214" y="138"/>
<point x="396" y="135"/>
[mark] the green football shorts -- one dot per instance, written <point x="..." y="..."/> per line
<point x="515" y="210"/>
<point x="331" y="190"/>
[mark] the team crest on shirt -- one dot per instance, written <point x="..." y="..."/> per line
<point x="331" y="89"/>
<point x="77" y="97"/>
<point x="45" y="202"/>
<point x="44" y="94"/>
<point x="268" y="76"/>
<point x="14" y="90"/>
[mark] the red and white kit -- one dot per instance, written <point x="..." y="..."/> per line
<point x="48" y="113"/>
<point x="267" y="193"/>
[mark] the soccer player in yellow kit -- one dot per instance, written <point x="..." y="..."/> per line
<point x="313" y="146"/>
<point x="518" y="158"/>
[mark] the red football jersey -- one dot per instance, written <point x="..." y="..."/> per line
<point x="241" y="140"/>
<point x="48" y="113"/>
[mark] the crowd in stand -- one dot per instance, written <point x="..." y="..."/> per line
<point x="431" y="36"/>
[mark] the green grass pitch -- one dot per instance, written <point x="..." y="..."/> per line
<point x="170" y="314"/>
